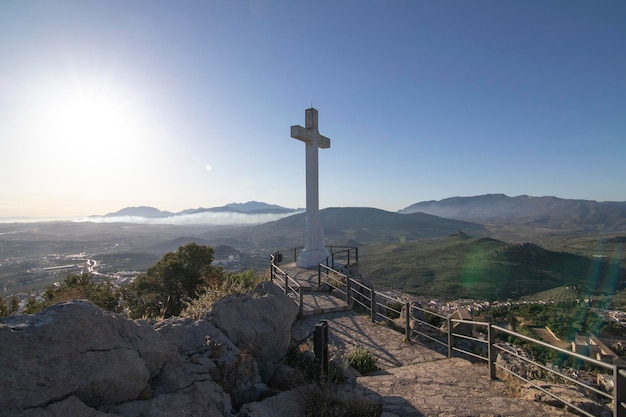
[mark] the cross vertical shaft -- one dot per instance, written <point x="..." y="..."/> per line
<point x="314" y="250"/>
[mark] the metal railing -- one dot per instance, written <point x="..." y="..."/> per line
<point x="341" y="255"/>
<point x="440" y="330"/>
<point x="290" y="286"/>
<point x="484" y="338"/>
<point x="344" y="255"/>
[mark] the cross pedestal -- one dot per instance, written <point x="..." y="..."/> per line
<point x="314" y="250"/>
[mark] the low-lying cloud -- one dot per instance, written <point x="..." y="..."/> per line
<point x="207" y="217"/>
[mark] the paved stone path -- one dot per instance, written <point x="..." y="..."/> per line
<point x="414" y="380"/>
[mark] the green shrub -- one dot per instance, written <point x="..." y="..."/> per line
<point x="393" y="309"/>
<point x="8" y="308"/>
<point x="362" y="360"/>
<point x="76" y="287"/>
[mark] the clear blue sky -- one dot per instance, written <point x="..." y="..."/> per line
<point x="108" y="104"/>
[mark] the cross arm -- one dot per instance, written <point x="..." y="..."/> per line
<point x="307" y="135"/>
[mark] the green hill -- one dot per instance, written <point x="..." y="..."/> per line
<point x="356" y="226"/>
<point x="484" y="268"/>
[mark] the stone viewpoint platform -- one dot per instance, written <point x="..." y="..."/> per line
<point x="413" y="380"/>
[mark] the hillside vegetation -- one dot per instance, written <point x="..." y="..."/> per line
<point x="463" y="267"/>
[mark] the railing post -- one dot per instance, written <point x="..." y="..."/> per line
<point x="450" y="336"/>
<point x="356" y="255"/>
<point x="619" y="390"/>
<point x="348" y="290"/>
<point x="286" y="283"/>
<point x="271" y="268"/>
<point x="300" y="308"/>
<point x="407" y="324"/>
<point x="373" y="303"/>
<point x="332" y="260"/>
<point x="319" y="276"/>
<point x="491" y="350"/>
<point x="320" y="345"/>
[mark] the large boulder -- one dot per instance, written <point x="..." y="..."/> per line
<point x="285" y="404"/>
<point x="70" y="406"/>
<point x="75" y="349"/>
<point x="259" y="325"/>
<point x="75" y="359"/>
<point x="198" y="337"/>
<point x="205" y="349"/>
<point x="201" y="398"/>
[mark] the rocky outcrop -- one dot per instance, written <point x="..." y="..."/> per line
<point x="76" y="349"/>
<point x="76" y="359"/>
<point x="261" y="324"/>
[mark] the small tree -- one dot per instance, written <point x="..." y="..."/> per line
<point x="173" y="281"/>
<point x="77" y="287"/>
<point x="6" y="309"/>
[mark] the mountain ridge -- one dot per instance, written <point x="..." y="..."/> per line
<point x="547" y="211"/>
<point x="250" y="207"/>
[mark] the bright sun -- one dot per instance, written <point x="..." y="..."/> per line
<point x="91" y="121"/>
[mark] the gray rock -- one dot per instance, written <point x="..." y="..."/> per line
<point x="76" y="359"/>
<point x="206" y="349"/>
<point x="70" y="406"/>
<point x="206" y="399"/>
<point x="76" y="349"/>
<point x="259" y="325"/>
<point x="285" y="404"/>
<point x="285" y="378"/>
<point x="199" y="337"/>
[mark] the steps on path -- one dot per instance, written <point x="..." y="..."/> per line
<point x="322" y="303"/>
<point x="314" y="302"/>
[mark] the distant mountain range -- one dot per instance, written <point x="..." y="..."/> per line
<point x="490" y="210"/>
<point x="523" y="210"/>
<point x="251" y="207"/>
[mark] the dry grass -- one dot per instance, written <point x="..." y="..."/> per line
<point x="231" y="284"/>
<point x="325" y="400"/>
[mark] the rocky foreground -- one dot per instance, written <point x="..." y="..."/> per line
<point x="74" y="359"/>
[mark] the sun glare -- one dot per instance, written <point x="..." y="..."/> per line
<point x="91" y="122"/>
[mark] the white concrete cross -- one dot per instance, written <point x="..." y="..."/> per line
<point x="314" y="250"/>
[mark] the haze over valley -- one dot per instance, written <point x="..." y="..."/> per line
<point x="424" y="254"/>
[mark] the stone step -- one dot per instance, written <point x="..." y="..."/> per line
<point x="306" y="278"/>
<point x="322" y="303"/>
